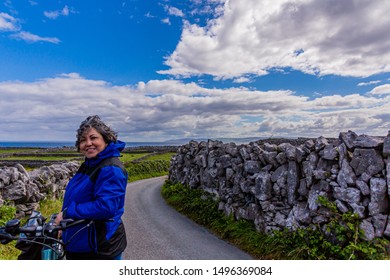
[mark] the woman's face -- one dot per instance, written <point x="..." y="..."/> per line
<point x="91" y="143"/>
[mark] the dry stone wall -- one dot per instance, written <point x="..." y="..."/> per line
<point x="277" y="185"/>
<point x="25" y="190"/>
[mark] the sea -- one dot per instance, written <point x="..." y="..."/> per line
<point x="173" y="142"/>
<point x="4" y="144"/>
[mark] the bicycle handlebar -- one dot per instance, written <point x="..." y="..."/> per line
<point x="37" y="228"/>
<point x="40" y="232"/>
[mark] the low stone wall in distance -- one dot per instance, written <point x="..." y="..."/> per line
<point x="25" y="190"/>
<point x="278" y="185"/>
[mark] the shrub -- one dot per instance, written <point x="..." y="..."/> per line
<point x="146" y="169"/>
<point x="6" y="213"/>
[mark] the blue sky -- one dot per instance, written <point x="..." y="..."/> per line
<point x="168" y="69"/>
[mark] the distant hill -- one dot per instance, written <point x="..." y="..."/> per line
<point x="243" y="140"/>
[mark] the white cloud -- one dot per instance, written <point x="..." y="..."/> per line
<point x="173" y="11"/>
<point x="166" y="21"/>
<point x="32" y="38"/>
<point x="8" y="22"/>
<point x="347" y="38"/>
<point x="242" y="80"/>
<point x="369" y="83"/>
<point x="55" y="14"/>
<point x="12" y="24"/>
<point x="52" y="108"/>
<point x="382" y="89"/>
<point x="149" y="15"/>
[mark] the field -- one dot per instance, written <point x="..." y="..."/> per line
<point x="32" y="158"/>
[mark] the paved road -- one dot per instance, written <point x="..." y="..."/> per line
<point x="155" y="231"/>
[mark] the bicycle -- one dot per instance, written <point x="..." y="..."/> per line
<point x="38" y="239"/>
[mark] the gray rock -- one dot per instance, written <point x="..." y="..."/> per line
<point x="303" y="190"/>
<point x="346" y="176"/>
<point x="379" y="199"/>
<point x="386" y="233"/>
<point x="232" y="150"/>
<point x="330" y="152"/>
<point x="299" y="215"/>
<point x="300" y="154"/>
<point x="270" y="147"/>
<point x="225" y="161"/>
<point x="280" y="219"/>
<point x="312" y="200"/>
<point x="365" y="141"/>
<point x="15" y="191"/>
<point x="388" y="175"/>
<point x="367" y="160"/>
<point x="368" y="229"/>
<point x="363" y="187"/>
<point x="281" y="171"/>
<point x="349" y="195"/>
<point x="379" y="222"/>
<point x="320" y="143"/>
<point x="281" y="158"/>
<point x="244" y="153"/>
<point x="263" y="186"/>
<point x="289" y="150"/>
<point x="251" y="167"/>
<point x="386" y="145"/>
<point x="348" y="138"/>
<point x="341" y="206"/>
<point x="292" y="181"/>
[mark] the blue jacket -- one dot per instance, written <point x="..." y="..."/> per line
<point x="97" y="192"/>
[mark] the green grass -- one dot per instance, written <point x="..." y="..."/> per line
<point x="33" y="154"/>
<point x="149" y="165"/>
<point x="164" y="156"/>
<point x="43" y="158"/>
<point x="128" y="157"/>
<point x="146" y="169"/>
<point x="16" y="150"/>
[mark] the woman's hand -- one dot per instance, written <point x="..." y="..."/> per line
<point x="58" y="219"/>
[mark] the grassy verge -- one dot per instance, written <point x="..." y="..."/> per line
<point x="152" y="166"/>
<point x="303" y="244"/>
<point x="47" y="207"/>
<point x="146" y="169"/>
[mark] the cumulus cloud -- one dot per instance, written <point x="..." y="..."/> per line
<point x="347" y="38"/>
<point x="382" y="89"/>
<point x="52" y="108"/>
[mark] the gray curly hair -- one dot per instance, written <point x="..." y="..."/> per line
<point x="95" y="122"/>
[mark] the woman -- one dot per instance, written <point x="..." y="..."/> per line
<point x="96" y="193"/>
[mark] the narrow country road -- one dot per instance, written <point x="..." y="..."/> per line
<point x="155" y="231"/>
